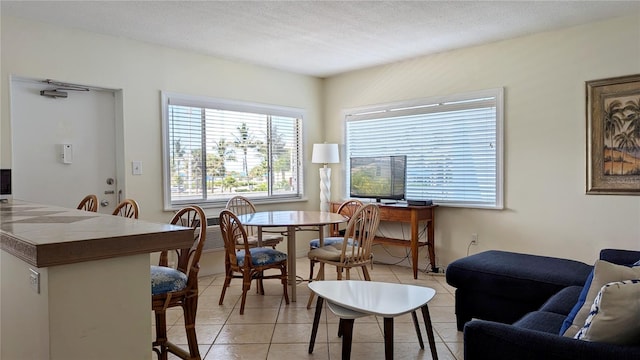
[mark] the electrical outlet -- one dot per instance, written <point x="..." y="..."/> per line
<point x="474" y="239"/>
<point x="34" y="280"/>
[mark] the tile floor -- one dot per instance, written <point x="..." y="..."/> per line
<point x="270" y="329"/>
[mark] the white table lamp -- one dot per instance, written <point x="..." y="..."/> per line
<point x="325" y="154"/>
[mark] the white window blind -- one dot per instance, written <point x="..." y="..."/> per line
<point x="215" y="149"/>
<point x="453" y="145"/>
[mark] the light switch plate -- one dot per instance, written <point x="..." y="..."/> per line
<point x="136" y="167"/>
<point x="34" y="280"/>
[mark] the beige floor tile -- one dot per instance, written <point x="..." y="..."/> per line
<point x="254" y="315"/>
<point x="238" y="352"/>
<point x="298" y="333"/>
<point x="246" y="334"/>
<point x="298" y="351"/>
<point x="205" y="334"/>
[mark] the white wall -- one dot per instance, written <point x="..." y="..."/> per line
<point x="546" y="209"/>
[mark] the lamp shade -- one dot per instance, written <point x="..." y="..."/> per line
<point x="325" y="154"/>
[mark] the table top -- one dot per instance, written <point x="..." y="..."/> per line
<point x="291" y="218"/>
<point x="45" y="235"/>
<point x="372" y="297"/>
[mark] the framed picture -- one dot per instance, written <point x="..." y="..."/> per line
<point x="613" y="135"/>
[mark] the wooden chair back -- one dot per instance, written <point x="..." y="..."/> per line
<point x="347" y="209"/>
<point x="235" y="238"/>
<point x="240" y="205"/>
<point x="361" y="229"/>
<point x="127" y="208"/>
<point x="89" y="203"/>
<point x="188" y="259"/>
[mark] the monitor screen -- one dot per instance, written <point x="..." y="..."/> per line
<point x="378" y="177"/>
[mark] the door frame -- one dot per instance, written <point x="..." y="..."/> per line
<point x="120" y="172"/>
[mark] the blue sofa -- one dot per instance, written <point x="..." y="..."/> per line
<point x="518" y="303"/>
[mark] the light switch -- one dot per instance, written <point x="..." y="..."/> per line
<point x="136" y="167"/>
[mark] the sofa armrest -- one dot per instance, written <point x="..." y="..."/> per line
<point x="496" y="341"/>
<point x="620" y="257"/>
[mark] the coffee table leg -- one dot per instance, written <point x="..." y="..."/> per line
<point x="388" y="338"/>
<point x="347" y="337"/>
<point x="427" y="323"/>
<point x="316" y="321"/>
<point x="417" y="326"/>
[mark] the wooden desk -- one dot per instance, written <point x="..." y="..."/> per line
<point x="412" y="215"/>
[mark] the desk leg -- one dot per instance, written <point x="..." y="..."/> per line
<point x="291" y="260"/>
<point x="414" y="243"/>
<point x="388" y="338"/>
<point x="431" y="245"/>
<point x="427" y="323"/>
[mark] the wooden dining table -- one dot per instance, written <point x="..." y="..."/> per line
<point x="293" y="220"/>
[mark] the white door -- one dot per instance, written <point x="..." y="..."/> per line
<point x="85" y="123"/>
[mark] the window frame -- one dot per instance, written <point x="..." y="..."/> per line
<point x="430" y="105"/>
<point x="171" y="98"/>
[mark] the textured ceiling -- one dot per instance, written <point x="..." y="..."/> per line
<point x="318" y="38"/>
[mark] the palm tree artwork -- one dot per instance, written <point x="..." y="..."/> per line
<point x="622" y="136"/>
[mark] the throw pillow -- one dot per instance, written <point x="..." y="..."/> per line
<point x="581" y="299"/>
<point x="603" y="273"/>
<point x="614" y="315"/>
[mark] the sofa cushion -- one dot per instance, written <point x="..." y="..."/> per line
<point x="541" y="321"/>
<point x="562" y="302"/>
<point x="529" y="278"/>
<point x="603" y="273"/>
<point x="614" y="315"/>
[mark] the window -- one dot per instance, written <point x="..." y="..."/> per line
<point x="453" y="145"/>
<point x="214" y="149"/>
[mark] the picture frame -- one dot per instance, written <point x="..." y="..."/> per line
<point x="613" y="135"/>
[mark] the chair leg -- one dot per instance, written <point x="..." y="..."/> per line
<point x="227" y="281"/>
<point x="311" y="264"/>
<point x="319" y="277"/>
<point x="365" y="273"/>
<point x="161" y="335"/>
<point x="246" y="285"/>
<point x="190" y="310"/>
<point x="285" y="280"/>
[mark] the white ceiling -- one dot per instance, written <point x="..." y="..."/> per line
<point x="318" y="38"/>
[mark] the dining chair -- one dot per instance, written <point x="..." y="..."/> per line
<point x="248" y="263"/>
<point x="240" y="205"/>
<point x="178" y="286"/>
<point x="336" y="235"/>
<point x="127" y="208"/>
<point x="355" y="249"/>
<point x="89" y="203"/>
